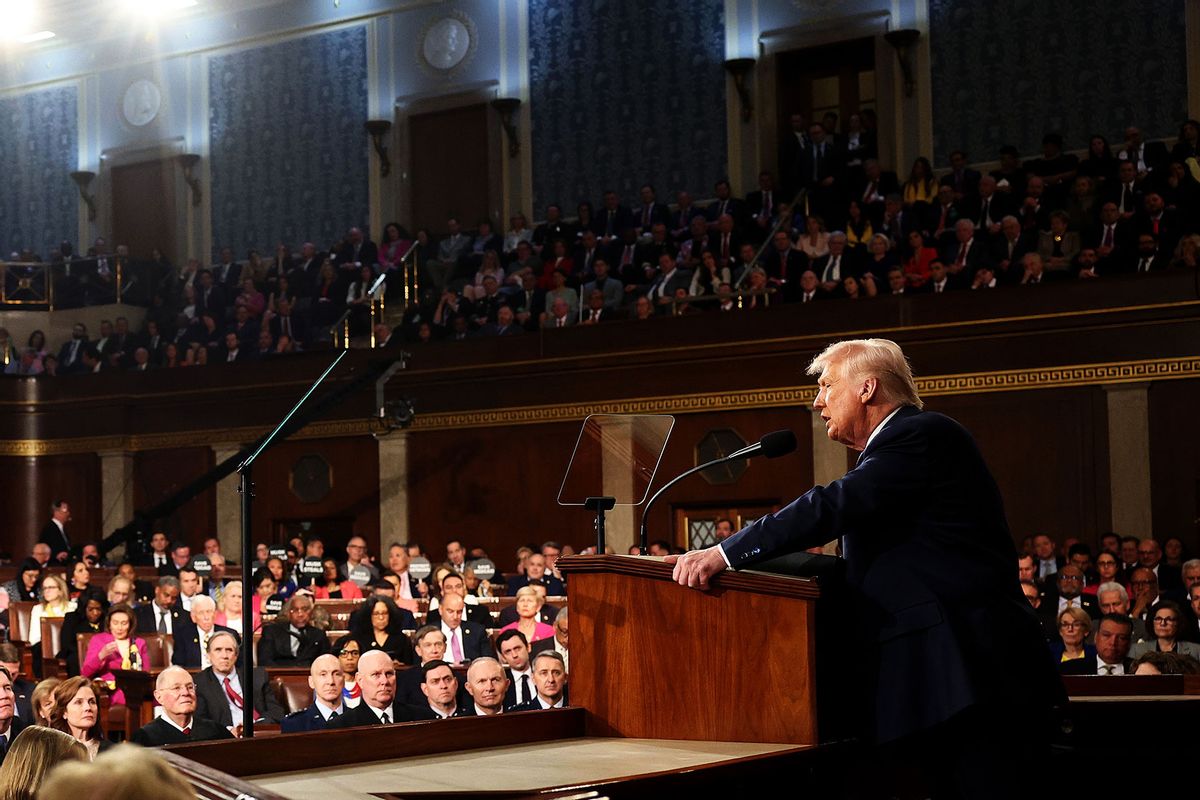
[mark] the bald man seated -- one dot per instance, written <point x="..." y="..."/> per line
<point x="176" y="693"/>
<point x="377" y="679"/>
<point x="487" y="684"/>
<point x="327" y="681"/>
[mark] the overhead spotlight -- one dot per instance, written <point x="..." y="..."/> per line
<point x="40" y="36"/>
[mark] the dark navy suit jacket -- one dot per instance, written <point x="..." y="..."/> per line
<point x="308" y="719"/>
<point x="931" y="587"/>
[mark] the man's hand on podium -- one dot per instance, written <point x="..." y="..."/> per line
<point x="694" y="568"/>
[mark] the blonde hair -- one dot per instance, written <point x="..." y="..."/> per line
<point x="64" y="597"/>
<point x="40" y="691"/>
<point x="1079" y="615"/>
<point x="34" y="752"/>
<point x="881" y="359"/>
<point x="529" y="591"/>
<point x="127" y="771"/>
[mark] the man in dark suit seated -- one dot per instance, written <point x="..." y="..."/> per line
<point x="219" y="695"/>
<point x="488" y="688"/>
<point x="514" y="650"/>
<point x="180" y="554"/>
<point x="429" y="644"/>
<point x="464" y="640"/>
<point x="164" y="614"/>
<point x="291" y="641"/>
<point x="439" y="684"/>
<point x="176" y="693"/>
<point x="874" y="189"/>
<point x="286" y="323"/>
<point x="10" y="723"/>
<point x="377" y="678"/>
<point x="535" y="574"/>
<point x="550" y="680"/>
<point x="10" y="659"/>
<point x="650" y="212"/>
<point x="1034" y="595"/>
<point x="191" y="646"/>
<point x="55" y="533"/>
<point x="1068" y="592"/>
<point x="326" y="679"/>
<point x="454" y="583"/>
<point x="160" y="552"/>
<point x="1113" y="639"/>
<point x="953" y="651"/>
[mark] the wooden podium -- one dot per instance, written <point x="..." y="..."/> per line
<point x="652" y="659"/>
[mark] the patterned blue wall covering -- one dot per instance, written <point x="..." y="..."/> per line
<point x="625" y="92"/>
<point x="39" y="206"/>
<point x="1006" y="72"/>
<point x="289" y="154"/>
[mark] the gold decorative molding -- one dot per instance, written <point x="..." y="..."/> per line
<point x="931" y="386"/>
<point x="1115" y="372"/>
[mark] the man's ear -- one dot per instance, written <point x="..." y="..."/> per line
<point x="867" y="390"/>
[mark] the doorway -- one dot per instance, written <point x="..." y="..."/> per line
<point x="333" y="531"/>
<point x="695" y="526"/>
<point x="450" y="154"/>
<point x="837" y="78"/>
<point x="143" y="208"/>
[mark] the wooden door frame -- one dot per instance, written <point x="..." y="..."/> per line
<point x="734" y="509"/>
<point x="163" y="150"/>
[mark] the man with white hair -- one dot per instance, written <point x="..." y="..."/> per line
<point x="953" y="649"/>
<point x="191" y="646"/>
<point x="377" y="678"/>
<point x="487" y="685"/>
<point x="176" y="693"/>
<point x="219" y="694"/>
<point x="1112" y="598"/>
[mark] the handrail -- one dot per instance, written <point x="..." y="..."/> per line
<point x="787" y="217"/>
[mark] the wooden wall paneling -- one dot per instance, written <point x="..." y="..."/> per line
<point x="354" y="495"/>
<point x="1175" y="461"/>
<point x="1046" y="450"/>
<point x="37" y="481"/>
<point x="158" y="474"/>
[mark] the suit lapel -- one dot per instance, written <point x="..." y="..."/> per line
<point x="903" y="413"/>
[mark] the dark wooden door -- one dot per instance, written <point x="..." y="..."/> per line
<point x="450" y="152"/>
<point x="143" y="208"/>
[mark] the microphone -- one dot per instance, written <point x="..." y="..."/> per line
<point x="773" y="445"/>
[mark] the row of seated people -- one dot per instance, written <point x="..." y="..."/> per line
<point x="1099" y="616"/>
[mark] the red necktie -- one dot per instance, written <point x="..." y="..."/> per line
<point x="1155" y="227"/>
<point x="233" y="696"/>
<point x="1108" y="236"/>
<point x="187" y="731"/>
<point x="962" y="255"/>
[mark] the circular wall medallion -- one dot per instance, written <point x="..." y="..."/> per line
<point x="141" y="102"/>
<point x="310" y="479"/>
<point x="447" y="43"/>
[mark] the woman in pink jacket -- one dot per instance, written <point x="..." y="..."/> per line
<point x="115" y="649"/>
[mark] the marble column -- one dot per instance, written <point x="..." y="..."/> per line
<point x="116" y="493"/>
<point x="393" y="488"/>
<point x="829" y="461"/>
<point x="1129" y="458"/>
<point x="229" y="506"/>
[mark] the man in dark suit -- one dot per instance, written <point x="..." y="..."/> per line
<point x="191" y="646"/>
<point x="1126" y="192"/>
<point x="833" y="267"/>
<point x="377" y="678"/>
<point x="326" y="680"/>
<point x="611" y="219"/>
<point x="487" y="687"/>
<point x="1068" y="591"/>
<point x="464" y="640"/>
<point x="164" y="614"/>
<point x="513" y="648"/>
<point x="176" y="693"/>
<point x="874" y="189"/>
<point x="760" y="207"/>
<point x="356" y="252"/>
<point x="160" y="552"/>
<point x="955" y="654"/>
<point x="292" y="641"/>
<point x="285" y="323"/>
<point x="820" y="170"/>
<point x="55" y="532"/>
<point x="669" y="278"/>
<point x="649" y="212"/>
<point x="210" y="298"/>
<point x="219" y="695"/>
<point x="227" y="274"/>
<point x="70" y="357"/>
<point x="1114" y="239"/>
<point x="961" y="178"/>
<point x="180" y="554"/>
<point x="454" y="584"/>
<point x="781" y="261"/>
<point x="550" y="680"/>
<point x="10" y="659"/>
<point x="1113" y="639"/>
<point x="10" y="723"/>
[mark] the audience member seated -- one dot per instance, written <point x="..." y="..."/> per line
<point x="558" y="642"/>
<point x="219" y="695"/>
<point x="25" y="587"/>
<point x="429" y="644"/>
<point x="1074" y="626"/>
<point x="55" y="604"/>
<point x="528" y="604"/>
<point x="453" y="583"/>
<point x="41" y="702"/>
<point x="115" y="648"/>
<point x="163" y="614"/>
<point x="31" y="756"/>
<point x="77" y="712"/>
<point x="535" y="573"/>
<point x="550" y="681"/>
<point x="326" y="681"/>
<point x="508" y="614"/>
<point x="176" y="693"/>
<point x="191" y="644"/>
<point x="464" y="640"/>
<point x="86" y="618"/>
<point x="332" y="586"/>
<point x="376" y="677"/>
<point x="1113" y="639"/>
<point x="439" y="685"/>
<point x="378" y="624"/>
<point x="348" y="652"/>
<point x="10" y="659"/>
<point x="513" y="649"/>
<point x="1165" y="623"/>
<point x="126" y="771"/>
<point x="487" y="686"/>
<point x="230" y="615"/>
<point x="1156" y="663"/>
<point x="1111" y="598"/>
<point x="291" y="641"/>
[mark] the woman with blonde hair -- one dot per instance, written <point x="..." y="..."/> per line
<point x="529" y="603"/>
<point x="56" y="602"/>
<point x="42" y="701"/>
<point x="77" y="713"/>
<point x="34" y="752"/>
<point x="127" y="771"/>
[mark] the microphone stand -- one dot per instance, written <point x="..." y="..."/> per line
<point x="646" y="511"/>
<point x="246" y="490"/>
